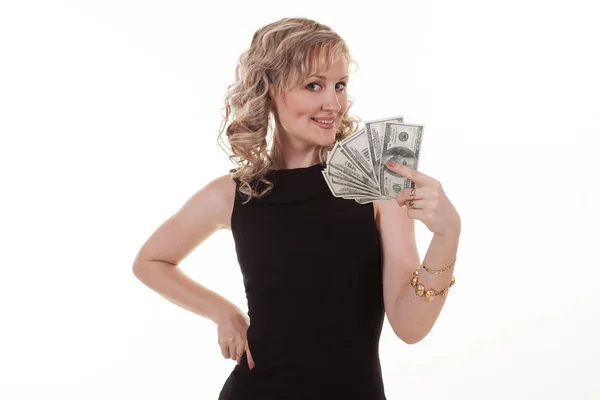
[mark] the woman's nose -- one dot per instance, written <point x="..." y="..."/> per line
<point x="332" y="103"/>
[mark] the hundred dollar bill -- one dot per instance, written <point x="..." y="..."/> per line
<point x="341" y="189"/>
<point x="374" y="130"/>
<point x="332" y="171"/>
<point x="402" y="145"/>
<point x="357" y="148"/>
<point x="339" y="160"/>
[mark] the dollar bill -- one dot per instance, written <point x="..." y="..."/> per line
<point x="402" y="145"/>
<point x="374" y="130"/>
<point x="333" y="172"/>
<point x="356" y="147"/>
<point x="343" y="189"/>
<point x="356" y="166"/>
<point x="340" y="160"/>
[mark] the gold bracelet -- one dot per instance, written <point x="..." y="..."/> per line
<point x="429" y="294"/>
<point x="438" y="271"/>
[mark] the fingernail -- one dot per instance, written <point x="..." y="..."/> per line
<point x="391" y="164"/>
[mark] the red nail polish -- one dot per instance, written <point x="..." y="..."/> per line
<point x="391" y="164"/>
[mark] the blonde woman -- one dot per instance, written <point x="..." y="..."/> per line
<point x="320" y="272"/>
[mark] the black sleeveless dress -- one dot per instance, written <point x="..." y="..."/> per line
<point x="311" y="265"/>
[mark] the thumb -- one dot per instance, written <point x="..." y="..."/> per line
<point x="251" y="364"/>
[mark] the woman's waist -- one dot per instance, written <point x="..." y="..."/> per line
<point x="333" y="365"/>
<point x="314" y="348"/>
<point x="356" y="333"/>
<point x="339" y="311"/>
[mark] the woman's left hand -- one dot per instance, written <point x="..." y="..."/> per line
<point x="431" y="205"/>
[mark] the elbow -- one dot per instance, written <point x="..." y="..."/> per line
<point x="409" y="338"/>
<point x="146" y="269"/>
<point x="138" y="271"/>
<point x="137" y="266"/>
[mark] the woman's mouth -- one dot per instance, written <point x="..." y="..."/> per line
<point x="323" y="124"/>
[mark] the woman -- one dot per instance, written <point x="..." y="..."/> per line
<point x="320" y="272"/>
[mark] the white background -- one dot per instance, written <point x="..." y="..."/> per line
<point x="109" y="114"/>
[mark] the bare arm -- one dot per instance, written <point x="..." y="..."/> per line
<point x="410" y="316"/>
<point x="156" y="263"/>
<point x="418" y="315"/>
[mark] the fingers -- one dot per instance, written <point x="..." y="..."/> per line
<point x="412" y="174"/>
<point x="225" y="345"/>
<point x="404" y="195"/>
<point x="249" y="354"/>
<point x="224" y="350"/>
<point x="232" y="353"/>
<point x="421" y="196"/>
<point x="416" y="204"/>
<point x="240" y="346"/>
<point x="228" y="346"/>
<point x="234" y="349"/>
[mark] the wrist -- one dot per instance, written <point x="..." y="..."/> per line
<point x="449" y="234"/>
<point x="221" y="309"/>
<point x="453" y="228"/>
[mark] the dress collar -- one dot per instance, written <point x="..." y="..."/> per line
<point x="296" y="184"/>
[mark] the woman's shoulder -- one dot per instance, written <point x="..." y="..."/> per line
<point x="218" y="195"/>
<point x="223" y="186"/>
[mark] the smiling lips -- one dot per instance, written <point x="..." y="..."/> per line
<point x="325" y="124"/>
<point x="325" y="120"/>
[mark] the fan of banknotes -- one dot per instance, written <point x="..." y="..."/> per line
<point x="356" y="165"/>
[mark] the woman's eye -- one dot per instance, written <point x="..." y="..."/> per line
<point x="310" y="86"/>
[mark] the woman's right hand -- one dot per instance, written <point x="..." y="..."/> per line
<point x="232" y="328"/>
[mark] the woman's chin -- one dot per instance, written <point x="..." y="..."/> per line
<point x="325" y="141"/>
<point x="331" y="139"/>
<point x="327" y="138"/>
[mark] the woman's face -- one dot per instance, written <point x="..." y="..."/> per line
<point x="321" y="96"/>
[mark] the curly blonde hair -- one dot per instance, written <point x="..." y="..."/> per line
<point x="279" y="52"/>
